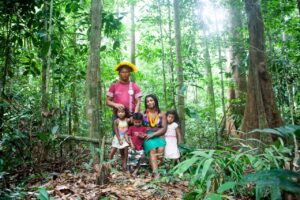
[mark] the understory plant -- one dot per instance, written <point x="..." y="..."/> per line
<point x="227" y="173"/>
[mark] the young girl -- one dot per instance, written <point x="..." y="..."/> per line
<point x="119" y="141"/>
<point x="172" y="136"/>
<point x="136" y="136"/>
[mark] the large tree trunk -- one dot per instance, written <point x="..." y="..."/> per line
<point x="236" y="57"/>
<point x="180" y="90"/>
<point x="93" y="70"/>
<point x="261" y="110"/>
<point x="162" y="54"/>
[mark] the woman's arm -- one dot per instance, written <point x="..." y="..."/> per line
<point x="178" y="135"/>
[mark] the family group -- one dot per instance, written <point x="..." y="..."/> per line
<point x="140" y="136"/>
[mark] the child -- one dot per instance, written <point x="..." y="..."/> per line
<point x="172" y="136"/>
<point x="119" y="141"/>
<point x="136" y="135"/>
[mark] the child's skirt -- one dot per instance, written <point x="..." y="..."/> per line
<point x="116" y="144"/>
<point x="171" y="149"/>
<point x="135" y="157"/>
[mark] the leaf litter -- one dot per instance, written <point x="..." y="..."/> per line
<point x="72" y="186"/>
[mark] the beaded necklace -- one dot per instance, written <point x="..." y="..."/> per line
<point x="152" y="121"/>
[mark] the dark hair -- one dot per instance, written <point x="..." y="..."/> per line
<point x="124" y="66"/>
<point x="173" y="112"/>
<point x="137" y="116"/>
<point x="155" y="101"/>
<point x="126" y="112"/>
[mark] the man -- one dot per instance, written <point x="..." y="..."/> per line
<point x="124" y="93"/>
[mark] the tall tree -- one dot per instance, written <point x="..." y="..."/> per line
<point x="180" y="79"/>
<point x="162" y="53"/>
<point x="46" y="60"/>
<point x="93" y="71"/>
<point x="171" y="64"/>
<point x="132" y="33"/>
<point x="210" y="88"/>
<point x="261" y="110"/>
<point x="298" y="3"/>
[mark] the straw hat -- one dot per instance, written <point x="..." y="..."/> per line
<point x="127" y="64"/>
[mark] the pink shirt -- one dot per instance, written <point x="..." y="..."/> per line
<point x="133" y="131"/>
<point x="121" y="93"/>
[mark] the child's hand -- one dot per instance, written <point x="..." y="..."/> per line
<point x="121" y="142"/>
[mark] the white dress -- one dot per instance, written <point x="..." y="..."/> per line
<point x="171" y="149"/>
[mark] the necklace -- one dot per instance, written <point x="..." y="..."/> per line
<point x="152" y="120"/>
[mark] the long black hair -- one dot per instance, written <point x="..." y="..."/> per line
<point x="155" y="101"/>
<point x="173" y="112"/>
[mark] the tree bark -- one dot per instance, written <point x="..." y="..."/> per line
<point x="46" y="65"/>
<point x="93" y="71"/>
<point x="132" y="46"/>
<point x="236" y="56"/>
<point x="171" y="64"/>
<point x="261" y="110"/>
<point x="162" y="54"/>
<point x="3" y="73"/>
<point x="179" y="69"/>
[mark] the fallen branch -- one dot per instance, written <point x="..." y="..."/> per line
<point x="80" y="139"/>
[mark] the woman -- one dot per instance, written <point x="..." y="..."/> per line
<point x="156" y="124"/>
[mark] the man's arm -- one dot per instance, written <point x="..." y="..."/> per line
<point x="111" y="103"/>
<point x="137" y="102"/>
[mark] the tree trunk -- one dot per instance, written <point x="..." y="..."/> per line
<point x="93" y="70"/>
<point x="46" y="65"/>
<point x="75" y="119"/>
<point x="171" y="65"/>
<point x="3" y="73"/>
<point x="236" y="56"/>
<point x="180" y="89"/>
<point x="162" y="54"/>
<point x="261" y="110"/>
<point x="132" y="46"/>
<point x="210" y="89"/>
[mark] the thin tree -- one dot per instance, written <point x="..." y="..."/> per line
<point x="162" y="53"/>
<point x="171" y="64"/>
<point x="210" y="88"/>
<point x="261" y="110"/>
<point x="179" y="69"/>
<point x="298" y="3"/>
<point x="93" y="71"/>
<point x="46" y="62"/>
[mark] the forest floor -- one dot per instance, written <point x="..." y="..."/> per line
<point x="66" y="179"/>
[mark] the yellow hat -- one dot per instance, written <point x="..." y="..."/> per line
<point x="128" y="64"/>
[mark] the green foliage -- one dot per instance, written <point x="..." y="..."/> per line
<point x="273" y="181"/>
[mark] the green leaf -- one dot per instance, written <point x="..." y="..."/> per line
<point x="185" y="165"/>
<point x="43" y="195"/>
<point x="226" y="186"/>
<point x="103" y="48"/>
<point x="206" y="166"/>
<point x="54" y="129"/>
<point x="213" y="196"/>
<point x="275" y="193"/>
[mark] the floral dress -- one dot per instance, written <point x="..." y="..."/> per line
<point x="122" y="129"/>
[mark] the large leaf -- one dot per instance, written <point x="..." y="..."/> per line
<point x="185" y="165"/>
<point x="226" y="186"/>
<point x="206" y="167"/>
<point x="43" y="195"/>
